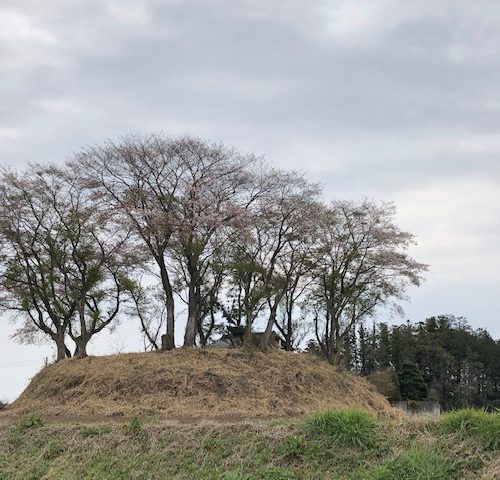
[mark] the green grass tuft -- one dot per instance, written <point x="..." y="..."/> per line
<point x="32" y="421"/>
<point x="291" y="447"/>
<point x="134" y="427"/>
<point x="351" y="427"/>
<point x="483" y="426"/>
<point x="462" y="420"/>
<point x="232" y="476"/>
<point x="94" y="431"/>
<point x="274" y="473"/>
<point x="415" y="464"/>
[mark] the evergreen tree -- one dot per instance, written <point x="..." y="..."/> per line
<point x="349" y="346"/>
<point x="460" y="367"/>
<point x="367" y="350"/>
<point x="383" y="354"/>
<point x="411" y="383"/>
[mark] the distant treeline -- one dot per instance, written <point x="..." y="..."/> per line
<point x="441" y="359"/>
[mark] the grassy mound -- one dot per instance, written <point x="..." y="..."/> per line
<point x="224" y="384"/>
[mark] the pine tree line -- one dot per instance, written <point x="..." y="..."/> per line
<point x="441" y="359"/>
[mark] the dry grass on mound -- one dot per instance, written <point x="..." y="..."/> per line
<point x="221" y="384"/>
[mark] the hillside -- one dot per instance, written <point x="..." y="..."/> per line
<point x="221" y="384"/>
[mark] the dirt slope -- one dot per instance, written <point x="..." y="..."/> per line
<point x="194" y="383"/>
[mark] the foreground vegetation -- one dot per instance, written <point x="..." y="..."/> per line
<point x="340" y="445"/>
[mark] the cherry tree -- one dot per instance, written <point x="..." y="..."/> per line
<point x="214" y="195"/>
<point x="362" y="263"/>
<point x="63" y="266"/>
<point x="266" y="255"/>
<point x="138" y="178"/>
<point x="176" y="194"/>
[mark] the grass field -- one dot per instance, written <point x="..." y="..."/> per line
<point x="347" y="444"/>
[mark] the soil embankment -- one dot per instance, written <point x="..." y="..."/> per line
<point x="190" y="384"/>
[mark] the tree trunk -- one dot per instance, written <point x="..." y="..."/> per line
<point x="190" y="333"/>
<point x="264" y="341"/>
<point x="334" y="357"/>
<point x="168" y="342"/>
<point x="247" y="336"/>
<point x="82" y="340"/>
<point x="289" y="330"/>
<point x="61" y="352"/>
<point x="204" y="338"/>
<point x="81" y="347"/>
<point x="61" y="347"/>
<point x="331" y="339"/>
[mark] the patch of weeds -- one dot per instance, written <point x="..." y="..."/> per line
<point x="105" y="466"/>
<point x="483" y="426"/>
<point x="275" y="473"/>
<point x="352" y="427"/>
<point x="462" y="420"/>
<point x="166" y="440"/>
<point x="488" y="431"/>
<point x="36" y="473"/>
<point x="149" y="419"/>
<point x="415" y="464"/>
<point x="93" y="431"/>
<point x="215" y="383"/>
<point x="291" y="447"/>
<point x="32" y="421"/>
<point x="134" y="427"/>
<point x="209" y="443"/>
<point x="233" y="476"/>
<point x="52" y="451"/>
<point x="277" y="422"/>
<point x="16" y="437"/>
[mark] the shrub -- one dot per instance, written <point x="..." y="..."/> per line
<point x="32" y="421"/>
<point x="415" y="464"/>
<point x="3" y="405"/>
<point x="385" y="382"/>
<point x="477" y="423"/>
<point x="350" y="427"/>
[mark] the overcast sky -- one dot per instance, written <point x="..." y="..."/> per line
<point x="390" y="99"/>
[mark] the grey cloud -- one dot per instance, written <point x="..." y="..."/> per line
<point x="394" y="100"/>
